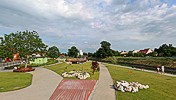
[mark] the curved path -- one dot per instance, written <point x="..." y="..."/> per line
<point x="104" y="88"/>
<point x="44" y="83"/>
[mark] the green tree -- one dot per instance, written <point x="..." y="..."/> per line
<point x="73" y="52"/>
<point x="166" y="50"/>
<point x="53" y="52"/>
<point x="115" y="53"/>
<point x="25" y="42"/>
<point x="105" y="50"/>
<point x="139" y="54"/>
<point x="100" y="53"/>
<point x="4" y="53"/>
<point x="105" y="44"/>
<point x="85" y="54"/>
<point x="130" y="54"/>
<point x="90" y="54"/>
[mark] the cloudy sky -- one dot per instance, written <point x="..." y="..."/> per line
<point x="126" y="24"/>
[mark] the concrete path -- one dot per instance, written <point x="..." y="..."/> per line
<point x="104" y="87"/>
<point x="43" y="85"/>
<point x="166" y="74"/>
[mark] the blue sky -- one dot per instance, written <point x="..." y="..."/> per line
<point x="126" y="24"/>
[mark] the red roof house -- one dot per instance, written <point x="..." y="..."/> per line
<point x="146" y="51"/>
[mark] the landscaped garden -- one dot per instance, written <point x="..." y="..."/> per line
<point x="13" y="81"/>
<point x="64" y="67"/>
<point x="161" y="87"/>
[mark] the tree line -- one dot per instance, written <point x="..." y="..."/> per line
<point x="165" y="50"/>
<point x="29" y="42"/>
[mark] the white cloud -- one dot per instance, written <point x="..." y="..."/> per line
<point x="65" y="22"/>
<point x="108" y="1"/>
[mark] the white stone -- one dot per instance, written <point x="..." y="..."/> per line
<point x="78" y="74"/>
<point x="125" y="86"/>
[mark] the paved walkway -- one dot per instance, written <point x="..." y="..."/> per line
<point x="167" y="74"/>
<point x="43" y="85"/>
<point x="73" y="90"/>
<point x="104" y="87"/>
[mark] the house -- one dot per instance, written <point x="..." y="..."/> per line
<point x="37" y="59"/>
<point x="146" y="51"/>
<point x="136" y="51"/>
<point x="76" y="60"/>
<point x="124" y="53"/>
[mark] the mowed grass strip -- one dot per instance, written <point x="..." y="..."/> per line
<point x="161" y="87"/>
<point x="64" y="67"/>
<point x="13" y="81"/>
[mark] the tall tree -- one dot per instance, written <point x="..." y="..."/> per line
<point x="25" y="42"/>
<point x="105" y="50"/>
<point x="53" y="52"/>
<point x="105" y="44"/>
<point x="73" y="52"/>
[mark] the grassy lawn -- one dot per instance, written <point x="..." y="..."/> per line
<point x="63" y="67"/>
<point x="13" y="81"/>
<point x="161" y="87"/>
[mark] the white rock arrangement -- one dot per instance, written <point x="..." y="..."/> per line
<point x="78" y="74"/>
<point x="125" y="86"/>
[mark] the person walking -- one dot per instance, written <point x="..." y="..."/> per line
<point x="162" y="69"/>
<point x="158" y="68"/>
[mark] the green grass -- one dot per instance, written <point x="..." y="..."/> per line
<point x="161" y="87"/>
<point x="63" y="67"/>
<point x="13" y="81"/>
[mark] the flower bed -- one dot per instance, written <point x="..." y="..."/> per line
<point x="22" y="69"/>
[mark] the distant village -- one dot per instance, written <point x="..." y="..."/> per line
<point x="144" y="51"/>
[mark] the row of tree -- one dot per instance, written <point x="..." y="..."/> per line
<point x="29" y="42"/>
<point x="106" y="51"/>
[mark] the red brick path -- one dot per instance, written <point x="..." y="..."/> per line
<point x="73" y="90"/>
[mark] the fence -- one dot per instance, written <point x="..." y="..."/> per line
<point x="140" y="66"/>
<point x="9" y="64"/>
